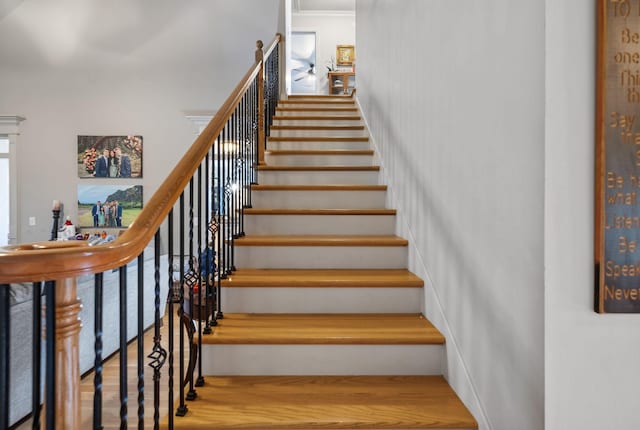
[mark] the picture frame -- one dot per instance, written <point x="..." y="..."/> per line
<point x="120" y="205"/>
<point x="345" y="55"/>
<point x="109" y="156"/>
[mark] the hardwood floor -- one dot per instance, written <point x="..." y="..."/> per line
<point x="111" y="386"/>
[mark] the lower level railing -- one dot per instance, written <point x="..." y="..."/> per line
<point x="162" y="274"/>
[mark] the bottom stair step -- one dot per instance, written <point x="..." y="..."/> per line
<point x="326" y="402"/>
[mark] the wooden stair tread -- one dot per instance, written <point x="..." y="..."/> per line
<point x="317" y="117"/>
<point x="319" y="96"/>
<point x="325" y="402"/>
<point x="317" y="168"/>
<point x="316" y="109"/>
<point x="320" y="152"/>
<point x="317" y="211"/>
<point x="324" y="329"/>
<point x="318" y="127"/>
<point x="336" y="139"/>
<point x="294" y="102"/>
<point x="320" y="240"/>
<point x="318" y="278"/>
<point x="346" y="187"/>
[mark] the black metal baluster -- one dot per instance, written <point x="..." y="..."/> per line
<point x="97" y="363"/>
<point x="256" y="140"/>
<point x="36" y="376"/>
<point x="141" y="341"/>
<point x="5" y="356"/>
<point x="159" y="354"/>
<point x="170" y="328"/>
<point x="235" y="214"/>
<point x="124" y="396"/>
<point x="209" y="240"/>
<point x="203" y="288"/>
<point x="50" y="347"/>
<point x="191" y="283"/>
<point x="182" y="408"/>
<point x="222" y="248"/>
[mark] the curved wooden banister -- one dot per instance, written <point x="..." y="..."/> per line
<point x="42" y="261"/>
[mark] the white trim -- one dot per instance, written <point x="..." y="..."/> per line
<point x="200" y="120"/>
<point x="9" y="125"/>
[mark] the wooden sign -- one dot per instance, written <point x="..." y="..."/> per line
<point x="617" y="188"/>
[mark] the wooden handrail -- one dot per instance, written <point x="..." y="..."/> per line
<point x="273" y="45"/>
<point x="41" y="261"/>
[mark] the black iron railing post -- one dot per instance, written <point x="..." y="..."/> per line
<point x="5" y="355"/>
<point x="124" y="396"/>
<point x="182" y="408"/>
<point x="36" y="336"/>
<point x="97" y="363"/>
<point x="141" y="341"/>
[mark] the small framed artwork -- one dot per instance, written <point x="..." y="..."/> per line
<point x="108" y="206"/>
<point x="109" y="156"/>
<point x="345" y="55"/>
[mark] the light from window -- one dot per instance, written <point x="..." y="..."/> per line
<point x="4" y="191"/>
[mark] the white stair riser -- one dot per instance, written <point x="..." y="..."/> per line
<point x="317" y="122"/>
<point x="322" y="359"/>
<point x="319" y="145"/>
<point x="318" y="160"/>
<point x="317" y="133"/>
<point x="311" y="104"/>
<point x="330" y="177"/>
<point x="328" y="199"/>
<point x="321" y="300"/>
<point x="321" y="257"/>
<point x="309" y="112"/>
<point x="319" y="224"/>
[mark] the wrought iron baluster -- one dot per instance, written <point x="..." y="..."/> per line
<point x="50" y="347"/>
<point x="203" y="288"/>
<point x="141" y="341"/>
<point x="124" y="396"/>
<point x="170" y="334"/>
<point x="209" y="240"/>
<point x="182" y="408"/>
<point x="36" y="376"/>
<point x="191" y="281"/>
<point x="97" y="363"/>
<point x="5" y="356"/>
<point x="159" y="354"/>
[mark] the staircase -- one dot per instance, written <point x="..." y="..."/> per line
<point x="322" y="326"/>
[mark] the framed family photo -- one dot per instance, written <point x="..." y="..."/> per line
<point x="109" y="156"/>
<point x="108" y="206"/>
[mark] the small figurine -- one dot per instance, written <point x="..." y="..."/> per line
<point x="68" y="230"/>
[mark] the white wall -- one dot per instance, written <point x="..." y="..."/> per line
<point x="331" y="30"/>
<point x="454" y="95"/>
<point x="591" y="363"/>
<point x="90" y="67"/>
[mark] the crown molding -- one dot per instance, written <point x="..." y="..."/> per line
<point x="9" y="123"/>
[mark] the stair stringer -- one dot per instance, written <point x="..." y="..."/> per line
<point x="454" y="368"/>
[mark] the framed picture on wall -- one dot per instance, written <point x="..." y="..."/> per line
<point x="109" y="156"/>
<point x="108" y="206"/>
<point x="345" y="55"/>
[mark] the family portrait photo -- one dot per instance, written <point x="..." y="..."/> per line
<point x="108" y="206"/>
<point x="110" y="156"/>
